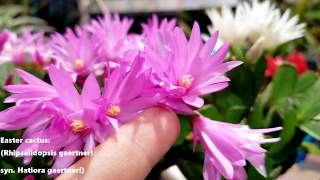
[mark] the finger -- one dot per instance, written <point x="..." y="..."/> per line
<point x="134" y="150"/>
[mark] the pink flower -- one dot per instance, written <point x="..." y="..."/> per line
<point x="34" y="90"/>
<point x="28" y="48"/>
<point x="74" y="121"/>
<point x="153" y="31"/>
<point x="4" y="36"/>
<point x="227" y="147"/>
<point x="126" y="93"/>
<point x="56" y="112"/>
<point x="112" y="35"/>
<point x="188" y="70"/>
<point x="77" y="52"/>
<point x="29" y="177"/>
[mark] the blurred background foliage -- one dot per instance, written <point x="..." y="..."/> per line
<point x="16" y="17"/>
<point x="288" y="99"/>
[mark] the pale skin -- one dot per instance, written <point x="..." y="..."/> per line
<point x="134" y="150"/>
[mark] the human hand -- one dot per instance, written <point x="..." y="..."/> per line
<point x="134" y="150"/>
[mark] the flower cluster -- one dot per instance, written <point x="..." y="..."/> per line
<point x="28" y="48"/>
<point x="160" y="66"/>
<point x="256" y="23"/>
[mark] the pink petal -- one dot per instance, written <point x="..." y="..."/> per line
<point x="221" y="53"/>
<point x="28" y="97"/>
<point x="209" y="45"/>
<point x="114" y="123"/>
<point x="90" y="92"/>
<point x="62" y="82"/>
<point x="240" y="174"/>
<point x="193" y="101"/>
<point x="66" y="161"/>
<point x="25" y="88"/>
<point x="209" y="171"/>
<point x="212" y="88"/>
<point x="90" y="143"/>
<point x="258" y="162"/>
<point x="212" y="81"/>
<point x="194" y="42"/>
<point x="30" y="79"/>
<point x="179" y="106"/>
<point x="217" y="68"/>
<point x="222" y="164"/>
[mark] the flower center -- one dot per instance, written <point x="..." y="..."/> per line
<point x="113" y="110"/>
<point x="78" y="126"/>
<point x="186" y="81"/>
<point x="79" y="64"/>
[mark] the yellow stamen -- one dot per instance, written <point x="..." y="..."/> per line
<point x="113" y="110"/>
<point x="189" y="137"/>
<point x="186" y="81"/>
<point x="79" y="64"/>
<point x="78" y="126"/>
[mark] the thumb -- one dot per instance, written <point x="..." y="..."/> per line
<point x="134" y="150"/>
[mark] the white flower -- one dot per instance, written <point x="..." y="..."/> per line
<point x="253" y="21"/>
<point x="230" y="26"/>
<point x="257" y="17"/>
<point x="284" y="29"/>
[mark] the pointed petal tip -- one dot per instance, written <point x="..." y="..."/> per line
<point x="27" y="160"/>
<point x="8" y="100"/>
<point x="226" y="45"/>
<point x="195" y="25"/>
<point x="236" y="63"/>
<point x="18" y="70"/>
<point x="214" y="35"/>
<point x="278" y="128"/>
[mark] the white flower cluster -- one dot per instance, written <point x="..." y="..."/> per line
<point x="256" y="23"/>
